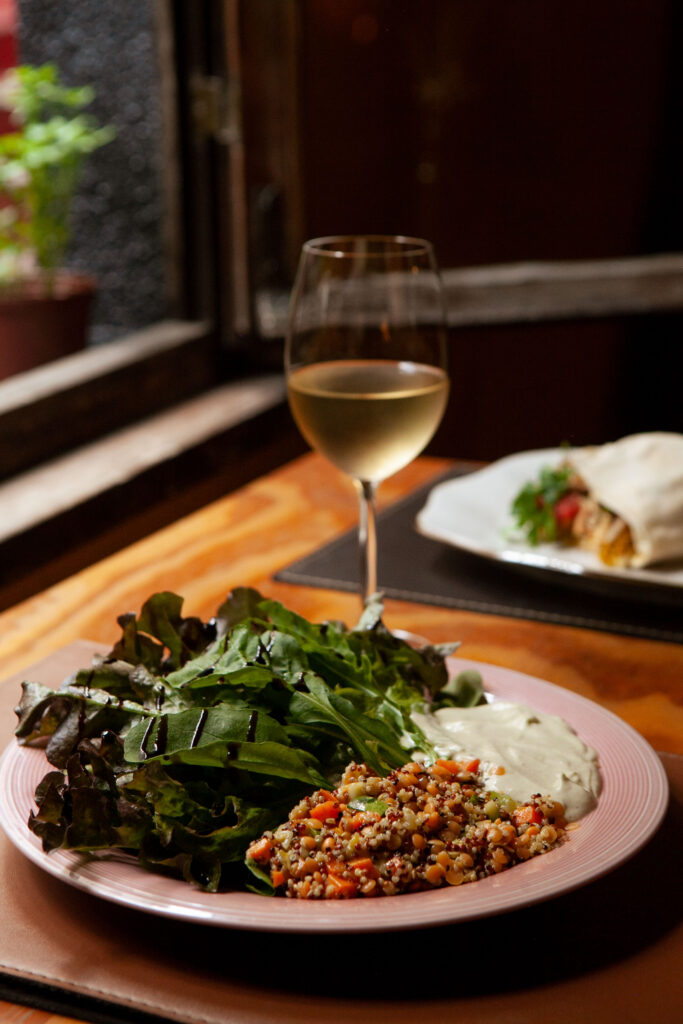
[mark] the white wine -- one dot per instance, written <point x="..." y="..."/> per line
<point x="370" y="417"/>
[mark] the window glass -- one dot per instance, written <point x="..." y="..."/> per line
<point x="118" y="213"/>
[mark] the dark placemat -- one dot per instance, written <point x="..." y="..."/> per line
<point x="415" y="568"/>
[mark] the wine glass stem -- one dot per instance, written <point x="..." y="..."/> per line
<point x="367" y="538"/>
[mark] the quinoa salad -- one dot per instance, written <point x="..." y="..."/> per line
<point x="423" y="826"/>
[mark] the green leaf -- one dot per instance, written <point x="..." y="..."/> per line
<point x="368" y="803"/>
<point x="264" y="885"/>
<point x="161" y="618"/>
<point x="189" y="732"/>
<point x="283" y="761"/>
<point x="135" y="648"/>
<point x="67" y="716"/>
<point x="198" y="667"/>
<point x="40" y="163"/>
<point x="373" y="741"/>
<point x="240" y="605"/>
<point x="533" y="507"/>
<point x="466" y="690"/>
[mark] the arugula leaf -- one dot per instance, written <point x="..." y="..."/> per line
<point x="198" y="728"/>
<point x="375" y="743"/>
<point x="277" y="759"/>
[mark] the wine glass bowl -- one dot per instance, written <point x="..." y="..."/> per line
<point x="365" y="360"/>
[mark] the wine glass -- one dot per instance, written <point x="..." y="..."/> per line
<point x="365" y="361"/>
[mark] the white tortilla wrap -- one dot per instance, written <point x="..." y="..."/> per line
<point x="640" y="478"/>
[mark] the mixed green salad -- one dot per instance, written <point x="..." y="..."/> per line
<point x="190" y="738"/>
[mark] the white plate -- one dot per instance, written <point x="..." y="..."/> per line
<point x="473" y="513"/>
<point x="630" y="809"/>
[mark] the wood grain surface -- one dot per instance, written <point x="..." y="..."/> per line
<point x="13" y="1013"/>
<point x="244" y="538"/>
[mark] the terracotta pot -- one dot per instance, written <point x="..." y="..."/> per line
<point x="37" y="325"/>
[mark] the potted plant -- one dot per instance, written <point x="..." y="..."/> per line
<point x="43" y="307"/>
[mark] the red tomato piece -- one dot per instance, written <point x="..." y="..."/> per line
<point x="566" y="509"/>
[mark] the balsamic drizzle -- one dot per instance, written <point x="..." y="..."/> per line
<point x="145" y="738"/>
<point x="251" y="728"/>
<point x="161" y="737"/>
<point x="199" y="728"/>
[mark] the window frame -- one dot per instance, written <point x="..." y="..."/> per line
<point x="106" y="387"/>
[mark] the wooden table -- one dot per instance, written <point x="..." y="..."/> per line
<point x="244" y="539"/>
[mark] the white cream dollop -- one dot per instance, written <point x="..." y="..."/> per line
<point x="540" y="753"/>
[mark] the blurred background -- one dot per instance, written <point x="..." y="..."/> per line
<point x="537" y="146"/>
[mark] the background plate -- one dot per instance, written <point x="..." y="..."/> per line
<point x="473" y="513"/>
<point x="630" y="809"/>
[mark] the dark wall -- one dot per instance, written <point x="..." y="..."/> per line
<point x="502" y="130"/>
<point x="117" y="222"/>
<point x="510" y="130"/>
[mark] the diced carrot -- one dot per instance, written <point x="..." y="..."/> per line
<point x="527" y="814"/>
<point x="342" y="886"/>
<point x="328" y="809"/>
<point x="360" y="819"/>
<point x="365" y="865"/>
<point x="260" y="851"/>
<point x="277" y="877"/>
<point x="456" y="766"/>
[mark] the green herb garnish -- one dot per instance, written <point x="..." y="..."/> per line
<point x="368" y="803"/>
<point x="191" y="738"/>
<point x="533" y="508"/>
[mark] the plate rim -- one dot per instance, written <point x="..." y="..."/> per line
<point x="316" y="917"/>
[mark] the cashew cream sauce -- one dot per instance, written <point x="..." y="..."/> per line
<point x="540" y="753"/>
